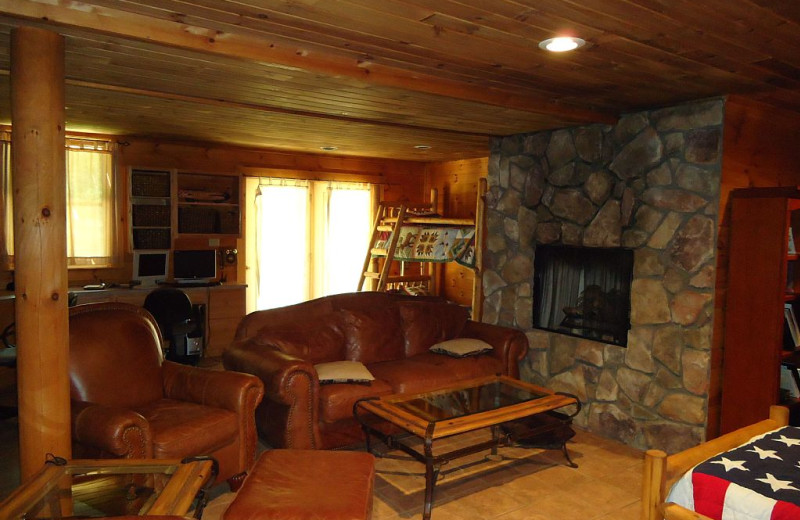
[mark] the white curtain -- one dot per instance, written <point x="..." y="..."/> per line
<point x="345" y="240"/>
<point x="282" y="239"/>
<point x="310" y="239"/>
<point x="91" y="202"/>
<point x="7" y="213"/>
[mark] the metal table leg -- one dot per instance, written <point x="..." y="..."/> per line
<point x="431" y="474"/>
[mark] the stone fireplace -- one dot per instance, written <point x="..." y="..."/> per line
<point x="649" y="184"/>
<point x="583" y="291"/>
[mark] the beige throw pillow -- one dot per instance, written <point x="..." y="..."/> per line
<point x="461" y="347"/>
<point x="343" y="372"/>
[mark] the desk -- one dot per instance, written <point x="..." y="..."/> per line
<point x="100" y="488"/>
<point x="225" y="307"/>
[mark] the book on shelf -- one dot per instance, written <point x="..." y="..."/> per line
<point x="792" y="250"/>
<point x="791" y="323"/>
<point x="790" y="380"/>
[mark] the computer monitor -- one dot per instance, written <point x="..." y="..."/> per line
<point x="150" y="266"/>
<point x="195" y="265"/>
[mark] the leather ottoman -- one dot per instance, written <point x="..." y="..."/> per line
<point x="306" y="484"/>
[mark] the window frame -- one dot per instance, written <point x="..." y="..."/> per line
<point x="74" y="142"/>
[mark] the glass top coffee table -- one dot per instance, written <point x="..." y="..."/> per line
<point x="471" y="405"/>
<point x="115" y="487"/>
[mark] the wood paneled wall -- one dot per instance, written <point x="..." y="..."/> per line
<point x="457" y="185"/>
<point x="760" y="148"/>
<point x="401" y="180"/>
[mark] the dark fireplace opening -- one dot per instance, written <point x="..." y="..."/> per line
<point x="583" y="291"/>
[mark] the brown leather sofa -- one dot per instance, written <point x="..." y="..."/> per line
<point x="128" y="402"/>
<point x="389" y="333"/>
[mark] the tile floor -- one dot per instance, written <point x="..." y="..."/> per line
<point x="526" y="484"/>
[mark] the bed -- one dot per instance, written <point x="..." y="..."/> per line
<point x="408" y="239"/>
<point x="663" y="473"/>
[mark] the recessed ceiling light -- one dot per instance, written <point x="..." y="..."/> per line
<point x="329" y="148"/>
<point x="561" y="44"/>
<point x="422" y="147"/>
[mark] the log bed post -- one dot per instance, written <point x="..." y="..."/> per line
<point x="477" y="272"/>
<point x="39" y="183"/>
<point x="655" y="464"/>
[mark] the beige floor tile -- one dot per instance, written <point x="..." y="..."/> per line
<point x="526" y="484"/>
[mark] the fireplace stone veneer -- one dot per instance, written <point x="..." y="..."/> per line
<point x="649" y="183"/>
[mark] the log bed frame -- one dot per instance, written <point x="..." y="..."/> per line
<point x="662" y="471"/>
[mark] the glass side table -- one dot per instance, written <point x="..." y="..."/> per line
<point x="94" y="488"/>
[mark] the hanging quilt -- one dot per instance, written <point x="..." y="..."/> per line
<point x="433" y="244"/>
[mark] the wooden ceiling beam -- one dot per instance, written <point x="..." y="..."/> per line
<point x="261" y="108"/>
<point x="175" y="34"/>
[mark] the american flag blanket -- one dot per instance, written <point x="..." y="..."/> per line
<point x="759" y="480"/>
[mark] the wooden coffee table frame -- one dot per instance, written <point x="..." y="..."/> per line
<point x="429" y="431"/>
<point x="184" y="483"/>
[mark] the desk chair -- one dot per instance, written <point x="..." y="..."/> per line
<point x="177" y="322"/>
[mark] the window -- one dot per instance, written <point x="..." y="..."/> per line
<point x="310" y="239"/>
<point x="91" y="202"/>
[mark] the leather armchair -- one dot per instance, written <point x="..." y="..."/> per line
<point x="128" y="402"/>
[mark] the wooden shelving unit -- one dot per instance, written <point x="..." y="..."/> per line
<point x="762" y="278"/>
<point x="208" y="204"/>
<point x="151" y="209"/>
<point x="165" y="204"/>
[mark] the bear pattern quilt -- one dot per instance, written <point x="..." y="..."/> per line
<point x="433" y="244"/>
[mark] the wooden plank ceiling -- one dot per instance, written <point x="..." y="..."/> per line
<point x="375" y="78"/>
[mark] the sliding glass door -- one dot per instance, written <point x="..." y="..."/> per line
<point x="306" y="239"/>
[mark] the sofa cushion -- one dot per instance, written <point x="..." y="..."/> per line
<point x="409" y="376"/>
<point x="462" y="368"/>
<point x="373" y="334"/>
<point x="426" y="323"/>
<point x="324" y="342"/>
<point x="336" y="400"/>
<point x="174" y="426"/>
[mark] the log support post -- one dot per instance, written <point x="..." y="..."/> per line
<point x="40" y="261"/>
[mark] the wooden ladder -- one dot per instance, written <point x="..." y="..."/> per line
<point x="390" y="218"/>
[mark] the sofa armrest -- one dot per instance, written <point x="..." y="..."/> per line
<point x="101" y="429"/>
<point x="288" y="415"/>
<point x="510" y="345"/>
<point x="232" y="391"/>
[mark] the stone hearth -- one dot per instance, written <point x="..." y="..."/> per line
<point x="650" y="183"/>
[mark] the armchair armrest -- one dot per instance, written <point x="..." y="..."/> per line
<point x="221" y="389"/>
<point x="101" y="429"/>
<point x="240" y="393"/>
<point x="510" y="345"/>
<point x="288" y="415"/>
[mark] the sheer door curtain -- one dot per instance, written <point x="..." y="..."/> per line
<point x="309" y="239"/>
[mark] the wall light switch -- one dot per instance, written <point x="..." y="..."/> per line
<point x="213" y="242"/>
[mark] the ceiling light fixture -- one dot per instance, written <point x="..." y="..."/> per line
<point x="329" y="148"/>
<point x="422" y="147"/>
<point x="561" y="44"/>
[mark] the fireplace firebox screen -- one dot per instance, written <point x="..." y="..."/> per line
<point x="583" y="291"/>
